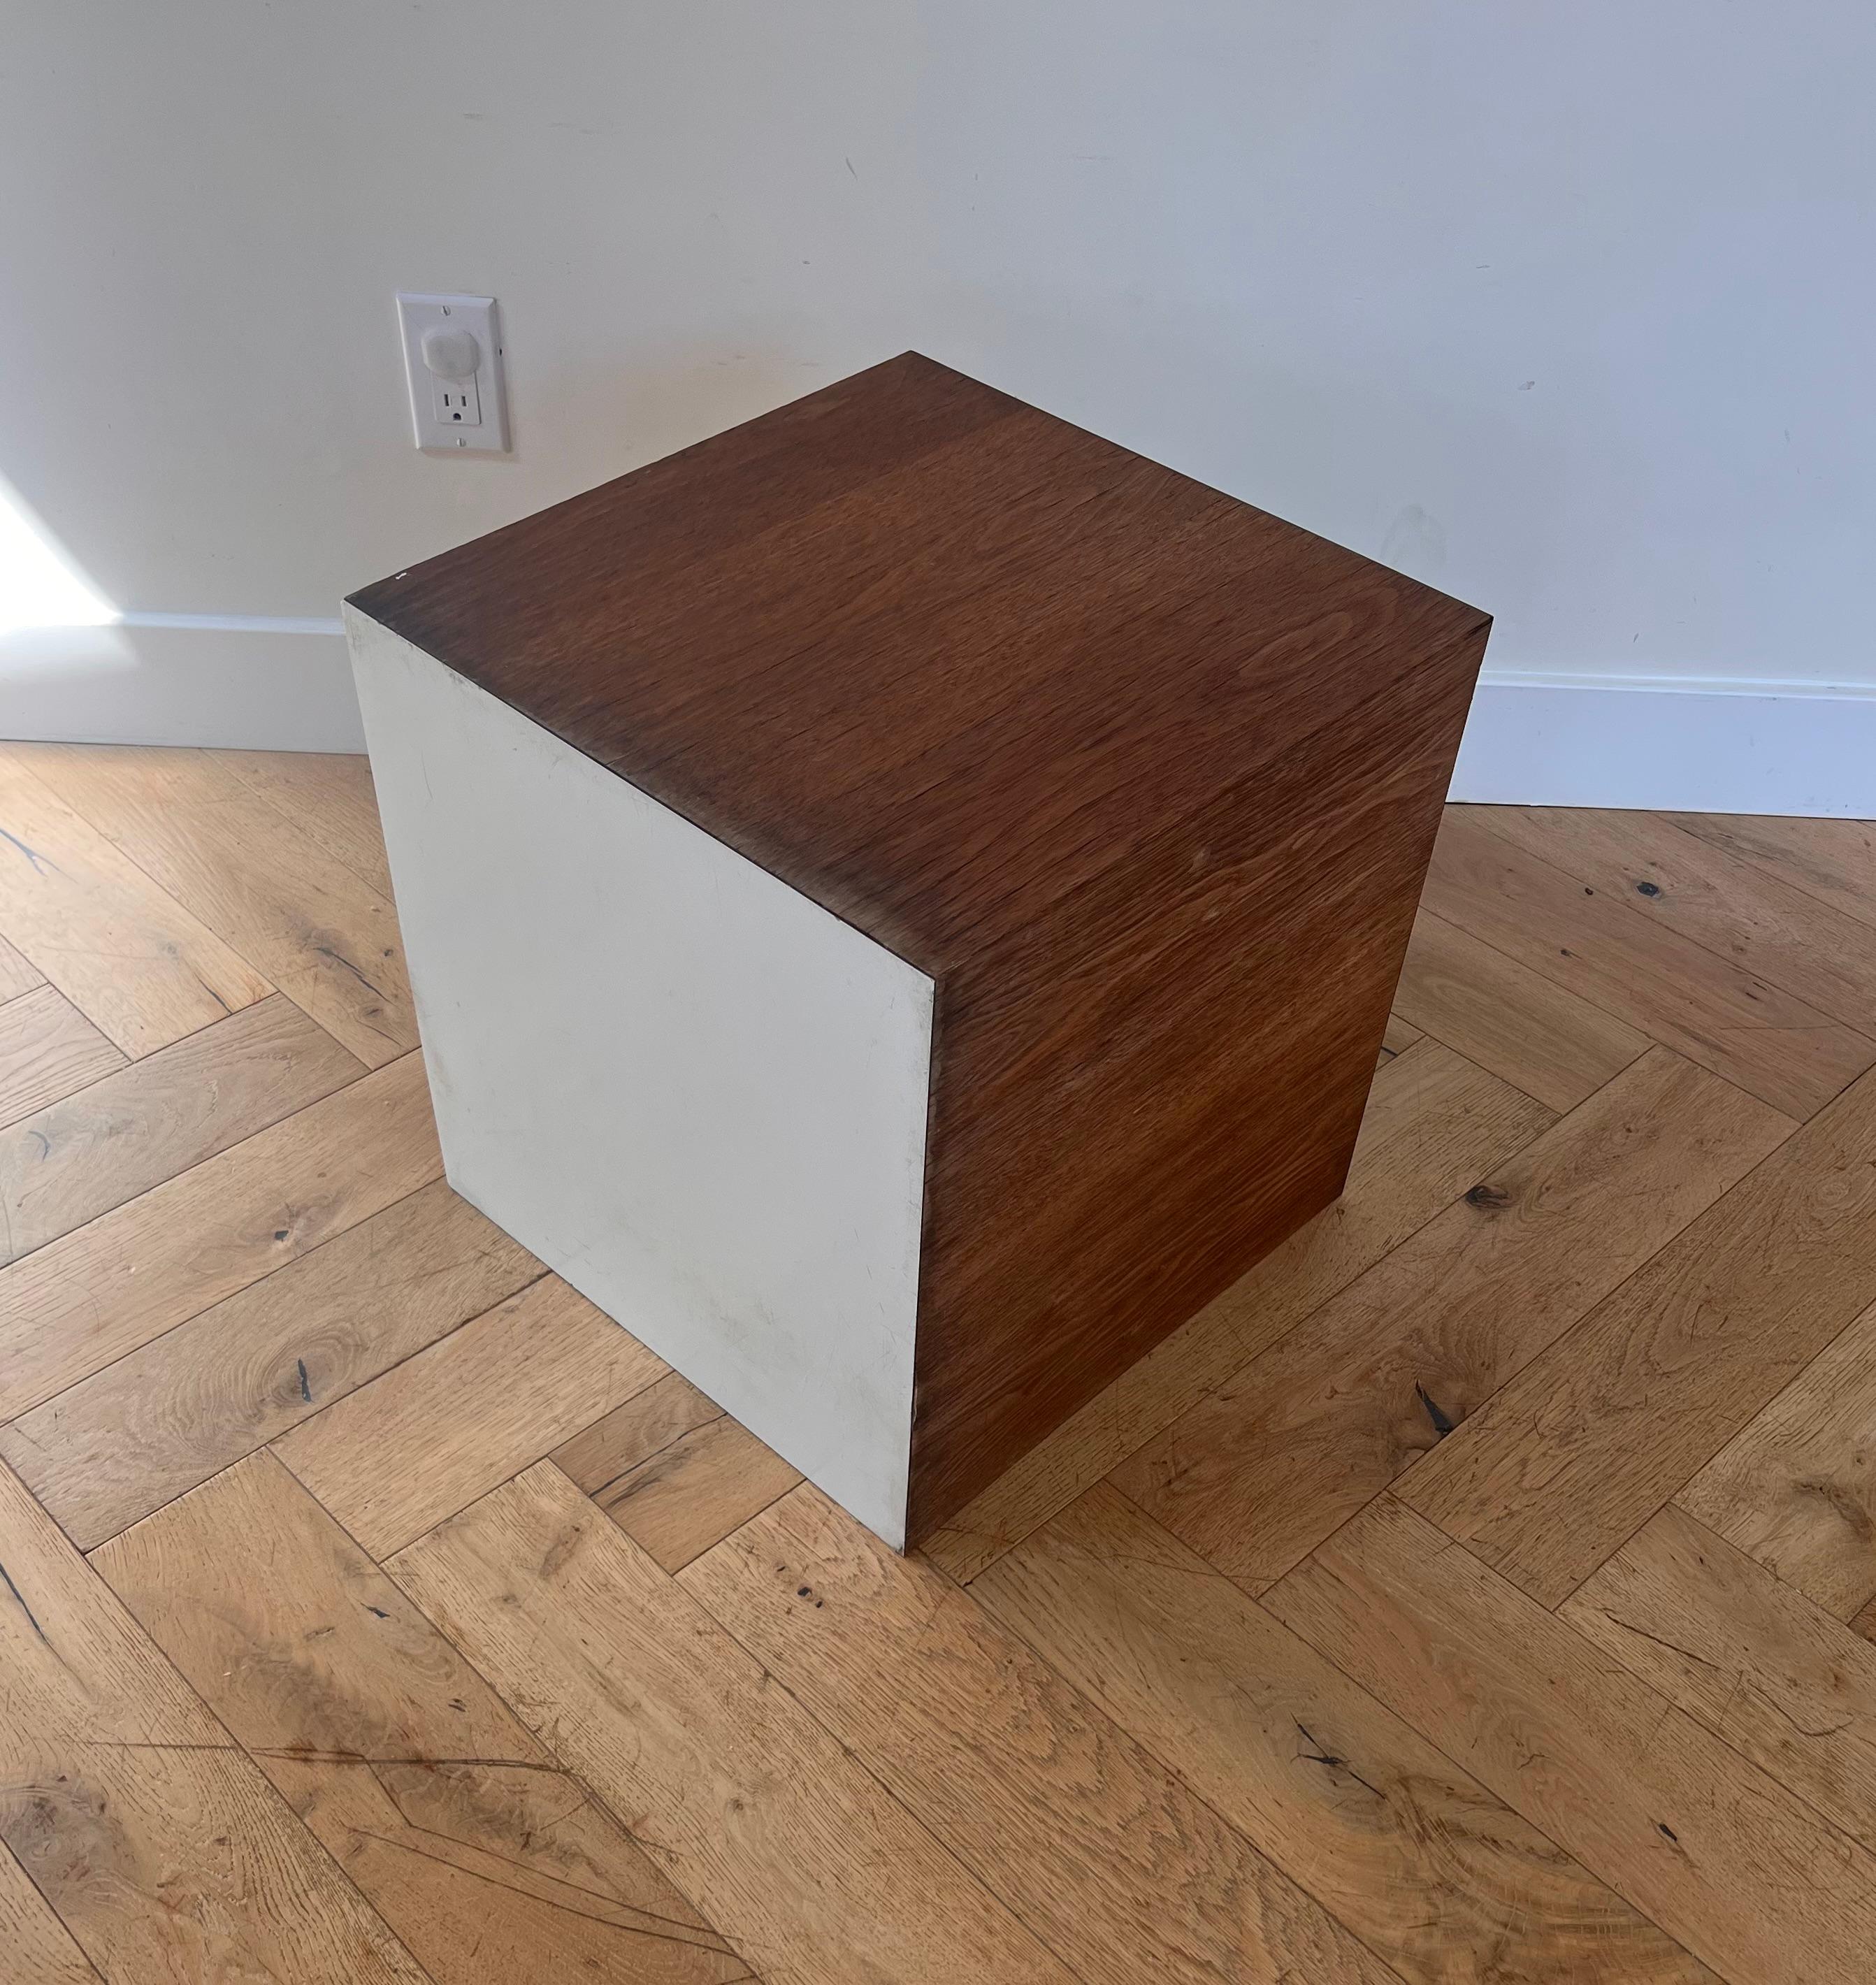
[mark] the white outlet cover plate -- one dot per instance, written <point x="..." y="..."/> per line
<point x="445" y="418"/>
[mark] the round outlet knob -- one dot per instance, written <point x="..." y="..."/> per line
<point x="450" y="353"/>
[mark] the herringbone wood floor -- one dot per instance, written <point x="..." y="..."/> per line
<point x="1480" y="1589"/>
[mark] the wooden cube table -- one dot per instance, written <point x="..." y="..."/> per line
<point x="903" y="900"/>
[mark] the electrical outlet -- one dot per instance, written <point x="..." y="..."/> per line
<point x="456" y="402"/>
<point x="452" y="362"/>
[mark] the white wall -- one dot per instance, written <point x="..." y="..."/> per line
<point x="1563" y="305"/>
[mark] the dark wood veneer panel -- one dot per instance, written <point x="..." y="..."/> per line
<point x="1165" y="1078"/>
<point x="932" y="657"/>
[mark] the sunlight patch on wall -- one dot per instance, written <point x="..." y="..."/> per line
<point x="39" y="586"/>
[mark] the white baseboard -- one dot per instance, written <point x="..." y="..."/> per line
<point x="1681" y="744"/>
<point x="1714" y="747"/>
<point x="260" y="683"/>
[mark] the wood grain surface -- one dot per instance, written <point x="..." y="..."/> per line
<point x="1598" y="944"/>
<point x="1144" y="778"/>
<point x="1434" y="1125"/>
<point x="134" y="1127"/>
<point x="17" y="972"/>
<point x="1591" y="1437"/>
<point x="1685" y="883"/>
<point x="739" y="1794"/>
<point x="1742" y="1652"/>
<point x="1508" y="1018"/>
<point x="487" y="1858"/>
<point x="1834" y="861"/>
<point x="135" y="1814"/>
<point x="329" y="796"/>
<point x="1432" y="1871"/>
<point x="128" y="956"/>
<point x="540" y="1755"/>
<point x="1200" y="1028"/>
<point x="1023" y="1779"/>
<point x="162" y="1417"/>
<point x="1674" y="1818"/>
<point x="48" y="1049"/>
<point x="72" y="1307"/>
<point x="1257" y="1474"/>
<point x="521" y="1379"/>
<point x="673" y="1470"/>
<point x="318" y="930"/>
<point x="37" y="1944"/>
<point x="1795" y="1488"/>
<point x="1001" y="650"/>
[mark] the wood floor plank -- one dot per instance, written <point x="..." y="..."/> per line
<point x="118" y="1445"/>
<point x="35" y="1947"/>
<point x="73" y="1306"/>
<point x="330" y="796"/>
<point x="18" y="973"/>
<point x="324" y="935"/>
<point x="786" y="1845"/>
<point x="1576" y="1454"/>
<point x="144" y="1123"/>
<point x="1833" y="860"/>
<point x="1783" y="1682"/>
<point x="1795" y="1488"/>
<point x="1262" y="1469"/>
<point x="399" y="1454"/>
<point x="1434" y="1125"/>
<point x="673" y="1470"/>
<point x="1399" y="1036"/>
<point x="1700" y="1840"/>
<point x="1537" y="1035"/>
<point x="48" y="1049"/>
<point x="483" y="1854"/>
<point x="1739" y="908"/>
<point x="1430" y="1869"/>
<point x="133" y="959"/>
<point x="1090" y="1840"/>
<point x="160" y="1845"/>
<point x="643" y="1426"/>
<point x="1375" y="1758"/>
<point x="1783" y="1050"/>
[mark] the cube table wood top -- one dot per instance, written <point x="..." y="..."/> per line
<point x="1145" y="779"/>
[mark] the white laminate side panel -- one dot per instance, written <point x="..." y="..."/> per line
<point x="696" y="1094"/>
